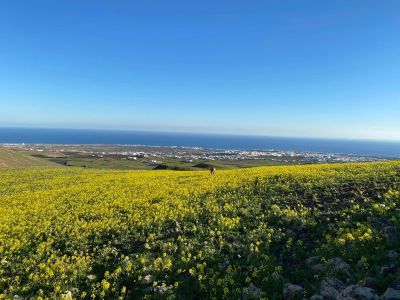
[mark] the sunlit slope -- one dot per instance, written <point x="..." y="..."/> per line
<point x="154" y="234"/>
<point x="15" y="158"/>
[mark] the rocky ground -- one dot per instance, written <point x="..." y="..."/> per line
<point x="343" y="287"/>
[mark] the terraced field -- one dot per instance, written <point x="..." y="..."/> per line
<point x="315" y="231"/>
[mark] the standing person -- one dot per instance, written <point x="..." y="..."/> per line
<point x="212" y="170"/>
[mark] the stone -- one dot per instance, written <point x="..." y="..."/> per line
<point x="223" y="266"/>
<point x="277" y="277"/>
<point x="292" y="291"/>
<point x="358" y="293"/>
<point x="319" y="268"/>
<point x="161" y="289"/>
<point x="125" y="262"/>
<point x="316" y="297"/>
<point x="370" y="282"/>
<point x="385" y="270"/>
<point x="254" y="292"/>
<point x="339" y="265"/>
<point x="147" y="279"/>
<point x="391" y="294"/>
<point x="331" y="288"/>
<point x="290" y="232"/>
<point x="312" y="260"/>
<point x="175" y="228"/>
<point x="91" y="277"/>
<point x="392" y="255"/>
<point x="149" y="289"/>
<point x="396" y="283"/>
<point x="391" y="233"/>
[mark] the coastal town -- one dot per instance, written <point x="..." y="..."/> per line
<point x="153" y="156"/>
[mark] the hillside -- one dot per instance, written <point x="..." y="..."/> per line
<point x="16" y="158"/>
<point x="258" y="233"/>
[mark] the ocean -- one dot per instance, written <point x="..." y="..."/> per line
<point x="212" y="141"/>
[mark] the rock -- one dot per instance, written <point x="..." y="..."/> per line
<point x="312" y="260"/>
<point x="385" y="270"/>
<point x="254" y="292"/>
<point x="331" y="288"/>
<point x="125" y="262"/>
<point x="319" y="268"/>
<point x="91" y="277"/>
<point x="391" y="294"/>
<point x="379" y="223"/>
<point x="277" y="277"/>
<point x="223" y="266"/>
<point x="161" y="289"/>
<point x="396" y="283"/>
<point x="392" y="255"/>
<point x="175" y="228"/>
<point x="358" y="293"/>
<point x="391" y="233"/>
<point x="370" y="283"/>
<point x="339" y="265"/>
<point x="292" y="291"/>
<point x="290" y="232"/>
<point x="149" y="289"/>
<point x="317" y="297"/>
<point x="147" y="279"/>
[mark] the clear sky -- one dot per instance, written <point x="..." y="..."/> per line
<point x="289" y="68"/>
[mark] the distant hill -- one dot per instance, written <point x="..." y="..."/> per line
<point x="17" y="158"/>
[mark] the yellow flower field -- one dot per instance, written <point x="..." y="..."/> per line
<point x="92" y="234"/>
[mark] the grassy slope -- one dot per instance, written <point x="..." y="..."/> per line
<point x="15" y="158"/>
<point x="197" y="235"/>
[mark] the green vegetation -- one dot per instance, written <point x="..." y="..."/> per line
<point x="119" y="163"/>
<point x="240" y="234"/>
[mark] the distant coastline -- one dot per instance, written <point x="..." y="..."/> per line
<point x="210" y="141"/>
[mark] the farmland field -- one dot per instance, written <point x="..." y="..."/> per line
<point x="13" y="158"/>
<point x="240" y="234"/>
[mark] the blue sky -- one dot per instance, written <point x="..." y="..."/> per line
<point x="280" y="68"/>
